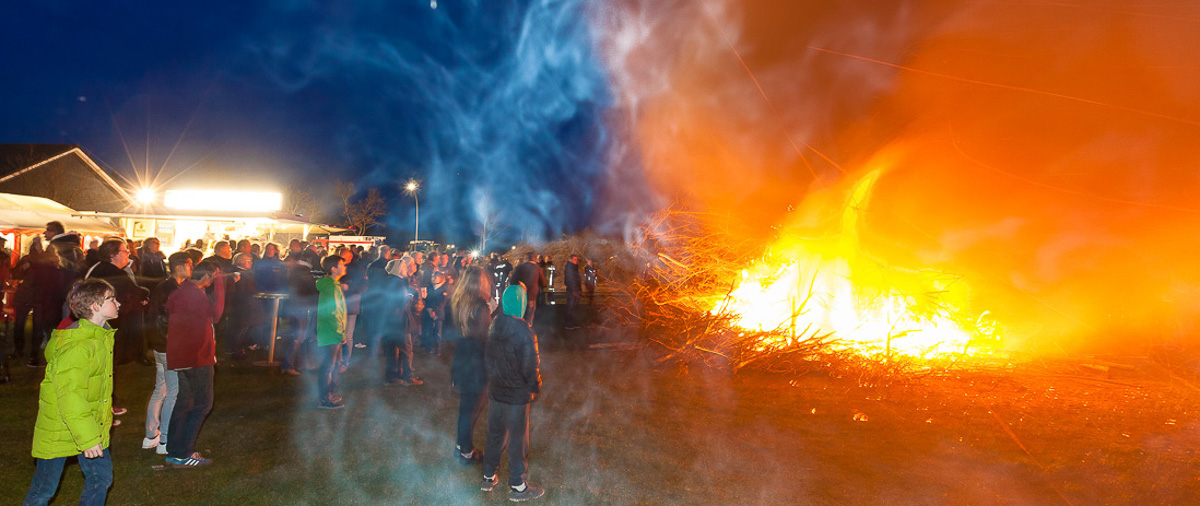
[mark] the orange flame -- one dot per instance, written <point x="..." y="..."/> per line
<point x="808" y="287"/>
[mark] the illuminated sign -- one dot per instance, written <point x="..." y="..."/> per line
<point x="223" y="200"/>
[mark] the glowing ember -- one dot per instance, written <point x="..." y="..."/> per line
<point x="828" y="286"/>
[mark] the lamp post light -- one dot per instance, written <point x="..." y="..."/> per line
<point x="411" y="188"/>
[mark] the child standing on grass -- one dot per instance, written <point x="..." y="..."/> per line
<point x="75" y="400"/>
<point x="192" y="354"/>
<point x="513" y="378"/>
<point x="331" y="330"/>
<point x="166" y="381"/>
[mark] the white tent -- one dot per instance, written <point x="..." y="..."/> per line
<point x="23" y="213"/>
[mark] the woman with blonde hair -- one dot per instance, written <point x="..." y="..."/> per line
<point x="472" y="307"/>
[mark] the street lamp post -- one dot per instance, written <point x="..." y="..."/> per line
<point x="411" y="188"/>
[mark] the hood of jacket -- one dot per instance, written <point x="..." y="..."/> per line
<point x="514" y="301"/>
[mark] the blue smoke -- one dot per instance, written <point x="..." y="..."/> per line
<point x="497" y="107"/>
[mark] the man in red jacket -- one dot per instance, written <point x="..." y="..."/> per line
<point x="192" y="353"/>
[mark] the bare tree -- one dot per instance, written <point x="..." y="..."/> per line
<point x="361" y="214"/>
<point x="300" y="200"/>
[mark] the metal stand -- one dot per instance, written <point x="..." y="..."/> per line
<point x="274" y="297"/>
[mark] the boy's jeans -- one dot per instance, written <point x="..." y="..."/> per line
<point x="508" y="426"/>
<point x="194" y="402"/>
<point x="328" y="373"/>
<point x="97" y="474"/>
<point x="162" y="401"/>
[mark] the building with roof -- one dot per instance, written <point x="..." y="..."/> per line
<point x="88" y="194"/>
<point x="63" y="173"/>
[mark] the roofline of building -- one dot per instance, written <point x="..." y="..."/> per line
<point x="86" y="159"/>
<point x="274" y="217"/>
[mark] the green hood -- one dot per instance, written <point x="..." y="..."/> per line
<point x="513" y="302"/>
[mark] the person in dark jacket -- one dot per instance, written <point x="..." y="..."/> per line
<point x="222" y="256"/>
<point x="152" y="266"/>
<point x="473" y="308"/>
<point x="23" y="303"/>
<point x="400" y="309"/>
<point x="434" y="314"/>
<point x="368" y="327"/>
<point x="113" y="267"/>
<point x="514" y="378"/>
<point x="270" y="274"/>
<point x="245" y="309"/>
<point x="60" y="240"/>
<point x="299" y="310"/>
<point x="529" y="274"/>
<point x="574" y="285"/>
<point x="591" y="276"/>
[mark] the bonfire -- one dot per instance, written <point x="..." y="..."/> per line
<point x="806" y="300"/>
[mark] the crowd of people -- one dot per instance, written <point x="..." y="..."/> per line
<point x="136" y="303"/>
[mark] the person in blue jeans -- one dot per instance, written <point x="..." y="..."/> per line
<point x="192" y="354"/>
<point x="75" y="399"/>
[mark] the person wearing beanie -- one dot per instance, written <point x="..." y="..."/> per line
<point x="514" y="378"/>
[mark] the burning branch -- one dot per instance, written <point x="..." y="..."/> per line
<point x="690" y="300"/>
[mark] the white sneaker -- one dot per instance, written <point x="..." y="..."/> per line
<point x="149" y="442"/>
<point x="162" y="449"/>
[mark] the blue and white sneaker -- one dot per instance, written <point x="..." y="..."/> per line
<point x="196" y="460"/>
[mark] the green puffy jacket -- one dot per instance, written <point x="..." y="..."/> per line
<point x="331" y="312"/>
<point x="75" y="403"/>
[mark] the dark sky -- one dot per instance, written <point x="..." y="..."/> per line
<point x="495" y="106"/>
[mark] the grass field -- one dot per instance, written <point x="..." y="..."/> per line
<point x="617" y="427"/>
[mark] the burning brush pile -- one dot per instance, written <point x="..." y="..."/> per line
<point x="802" y="303"/>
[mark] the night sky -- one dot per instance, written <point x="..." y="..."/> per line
<point x="495" y="106"/>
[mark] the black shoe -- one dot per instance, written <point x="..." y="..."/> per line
<point x="330" y="405"/>
<point x="530" y="493"/>
<point x="488" y="484"/>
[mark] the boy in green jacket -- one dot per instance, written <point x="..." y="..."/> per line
<point x="75" y="401"/>
<point x="331" y="329"/>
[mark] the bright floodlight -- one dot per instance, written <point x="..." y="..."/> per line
<point x="475" y="253"/>
<point x="220" y="200"/>
<point x="145" y="196"/>
<point x="412" y="186"/>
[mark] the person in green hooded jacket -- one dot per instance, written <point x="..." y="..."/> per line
<point x="331" y="329"/>
<point x="75" y="401"/>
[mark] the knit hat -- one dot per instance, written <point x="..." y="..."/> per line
<point x="513" y="302"/>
